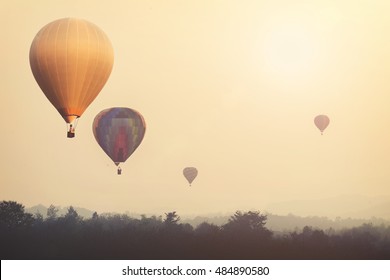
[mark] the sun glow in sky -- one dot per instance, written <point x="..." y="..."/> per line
<point x="230" y="87"/>
<point x="288" y="51"/>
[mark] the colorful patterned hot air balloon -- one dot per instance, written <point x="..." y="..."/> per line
<point x="322" y="122"/>
<point x="190" y="174"/>
<point x="71" y="60"/>
<point x="119" y="132"/>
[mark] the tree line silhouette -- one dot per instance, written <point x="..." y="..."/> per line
<point x="118" y="236"/>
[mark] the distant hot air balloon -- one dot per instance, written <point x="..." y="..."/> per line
<point x="71" y="60"/>
<point x="190" y="174"/>
<point x="119" y="131"/>
<point x="321" y="121"/>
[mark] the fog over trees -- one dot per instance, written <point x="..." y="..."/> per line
<point x="244" y="235"/>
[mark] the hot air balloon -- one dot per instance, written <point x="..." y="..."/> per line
<point x="190" y="174"/>
<point x="71" y="60"/>
<point x="321" y="121"/>
<point x="119" y="132"/>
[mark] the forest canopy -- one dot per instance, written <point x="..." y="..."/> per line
<point x="118" y="236"/>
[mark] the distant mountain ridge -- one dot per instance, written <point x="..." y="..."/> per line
<point x="344" y="206"/>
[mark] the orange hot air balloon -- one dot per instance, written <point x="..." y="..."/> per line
<point x="322" y="122"/>
<point x="71" y="60"/>
<point x="190" y="174"/>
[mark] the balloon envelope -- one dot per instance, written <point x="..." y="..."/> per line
<point x="190" y="174"/>
<point x="119" y="132"/>
<point x="71" y="60"/>
<point x="322" y="122"/>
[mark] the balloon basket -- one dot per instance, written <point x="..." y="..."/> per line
<point x="71" y="134"/>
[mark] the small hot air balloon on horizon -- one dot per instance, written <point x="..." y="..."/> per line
<point x="71" y="60"/>
<point x="190" y="174"/>
<point x="321" y="122"/>
<point x="119" y="131"/>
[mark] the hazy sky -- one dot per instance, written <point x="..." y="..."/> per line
<point x="230" y="87"/>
